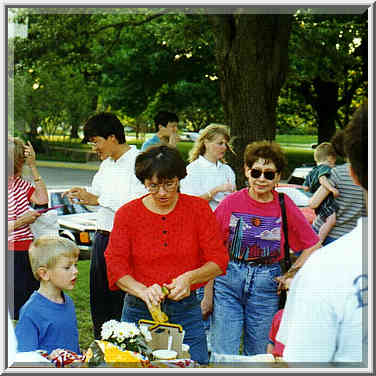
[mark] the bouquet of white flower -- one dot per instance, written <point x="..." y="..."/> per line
<point x="127" y="336"/>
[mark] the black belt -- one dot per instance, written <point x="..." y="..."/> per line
<point x="104" y="232"/>
<point x="263" y="261"/>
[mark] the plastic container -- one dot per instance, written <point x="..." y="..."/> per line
<point x="165" y="354"/>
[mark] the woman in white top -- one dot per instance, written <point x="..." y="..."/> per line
<point x="208" y="175"/>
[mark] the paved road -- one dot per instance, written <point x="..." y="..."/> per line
<point x="65" y="177"/>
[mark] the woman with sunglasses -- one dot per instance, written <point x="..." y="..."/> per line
<point x="251" y="223"/>
<point x="165" y="238"/>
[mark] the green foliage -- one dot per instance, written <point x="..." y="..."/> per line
<point x="328" y="72"/>
<point x="121" y="59"/>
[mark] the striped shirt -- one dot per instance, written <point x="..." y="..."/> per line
<point x="19" y="193"/>
<point x="350" y="202"/>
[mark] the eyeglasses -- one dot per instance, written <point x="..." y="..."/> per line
<point x="256" y="173"/>
<point x="168" y="186"/>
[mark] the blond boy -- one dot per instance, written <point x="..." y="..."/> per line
<point x="48" y="319"/>
<point x="325" y="158"/>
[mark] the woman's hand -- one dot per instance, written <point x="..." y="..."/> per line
<point x="227" y="187"/>
<point x="28" y="218"/>
<point x="152" y="295"/>
<point x="285" y="280"/>
<point x="180" y="287"/>
<point x="29" y="154"/>
<point x="283" y="283"/>
<point x="206" y="307"/>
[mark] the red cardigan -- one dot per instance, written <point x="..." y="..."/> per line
<point x="155" y="248"/>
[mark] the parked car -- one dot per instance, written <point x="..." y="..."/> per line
<point x="76" y="222"/>
<point x="188" y="136"/>
<point x="299" y="174"/>
<point x="300" y="198"/>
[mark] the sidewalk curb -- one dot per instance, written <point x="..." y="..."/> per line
<point x="77" y="166"/>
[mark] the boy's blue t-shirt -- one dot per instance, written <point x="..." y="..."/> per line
<point x="46" y="325"/>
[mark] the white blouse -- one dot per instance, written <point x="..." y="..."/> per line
<point x="203" y="175"/>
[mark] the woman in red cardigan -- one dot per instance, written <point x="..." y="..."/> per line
<point x="165" y="238"/>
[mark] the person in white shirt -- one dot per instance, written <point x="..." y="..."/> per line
<point x="209" y="177"/>
<point x="113" y="185"/>
<point x="325" y="318"/>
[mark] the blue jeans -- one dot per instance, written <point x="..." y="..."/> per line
<point x="186" y="312"/>
<point x="245" y="299"/>
<point x="200" y="296"/>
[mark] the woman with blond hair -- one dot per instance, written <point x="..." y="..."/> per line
<point x="209" y="177"/>
<point x="20" y="194"/>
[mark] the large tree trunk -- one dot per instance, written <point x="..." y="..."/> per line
<point x="74" y="131"/>
<point x="252" y="58"/>
<point x="326" y="106"/>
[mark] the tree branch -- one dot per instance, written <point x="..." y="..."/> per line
<point x="120" y="25"/>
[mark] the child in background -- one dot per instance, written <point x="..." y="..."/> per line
<point x="48" y="319"/>
<point x="274" y="347"/>
<point x="325" y="158"/>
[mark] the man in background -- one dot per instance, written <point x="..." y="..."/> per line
<point x="166" y="127"/>
<point x="113" y="185"/>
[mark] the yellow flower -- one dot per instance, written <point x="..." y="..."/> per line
<point x="113" y="354"/>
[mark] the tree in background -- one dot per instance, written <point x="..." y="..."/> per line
<point x="225" y="66"/>
<point x="136" y="54"/>
<point x="328" y="68"/>
<point x="252" y="58"/>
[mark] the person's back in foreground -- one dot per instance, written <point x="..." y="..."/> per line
<point x="325" y="318"/>
<point x="48" y="319"/>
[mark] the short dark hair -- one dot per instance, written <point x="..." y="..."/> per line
<point x="356" y="144"/>
<point x="163" y="161"/>
<point x="268" y="150"/>
<point x="163" y="118"/>
<point x="337" y="142"/>
<point x="104" y="124"/>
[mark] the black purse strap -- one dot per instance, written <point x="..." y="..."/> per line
<point x="285" y="231"/>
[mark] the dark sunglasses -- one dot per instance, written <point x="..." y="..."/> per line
<point x="255" y="173"/>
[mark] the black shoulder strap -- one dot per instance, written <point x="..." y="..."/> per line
<point x="285" y="230"/>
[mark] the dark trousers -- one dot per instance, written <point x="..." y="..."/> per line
<point x="22" y="281"/>
<point x="104" y="304"/>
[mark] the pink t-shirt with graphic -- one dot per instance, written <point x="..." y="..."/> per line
<point x="252" y="230"/>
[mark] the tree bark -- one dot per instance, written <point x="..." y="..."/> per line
<point x="252" y="57"/>
<point x="74" y="130"/>
<point x="326" y="106"/>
